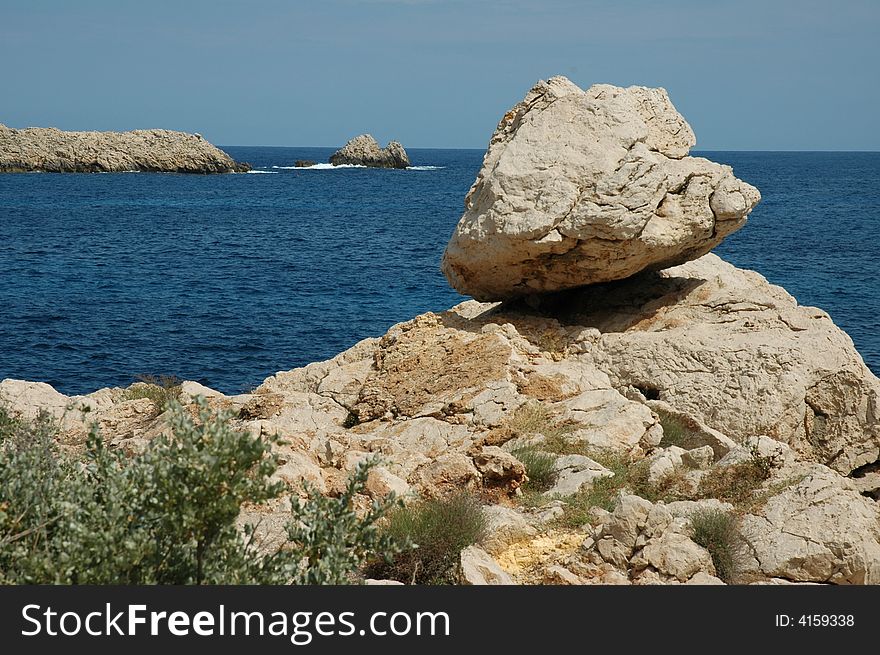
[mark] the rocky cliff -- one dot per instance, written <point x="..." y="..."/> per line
<point x="52" y="150"/>
<point x="364" y="150"/>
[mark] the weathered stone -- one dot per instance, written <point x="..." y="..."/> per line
<point x="499" y="468"/>
<point x="573" y="472"/>
<point x="363" y="150"/>
<point x="627" y="519"/>
<point x="717" y="343"/>
<point x="579" y="187"/>
<point x="478" y="568"/>
<point x="698" y="458"/>
<point x="381" y="482"/>
<point x="817" y="530"/>
<point x="504" y="526"/>
<point x="448" y="473"/>
<point x="559" y="575"/>
<point x="605" y="420"/>
<point x="703" y="578"/>
<point x="51" y="150"/>
<point x="675" y="555"/>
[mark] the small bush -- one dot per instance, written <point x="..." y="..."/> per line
<point x="540" y="468"/>
<point x="630" y="476"/>
<point x="675" y="432"/>
<point x="168" y="515"/>
<point x="438" y="529"/>
<point x="718" y="532"/>
<point x="332" y="540"/>
<point x="161" y="390"/>
<point x="738" y="483"/>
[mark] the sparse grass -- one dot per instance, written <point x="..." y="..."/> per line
<point x="535" y="418"/>
<point x="675" y="433"/>
<point x="629" y="475"/>
<point x="159" y="390"/>
<point x="560" y="444"/>
<point x="718" y="532"/>
<point x="439" y="529"/>
<point x="530" y="419"/>
<point x="551" y="341"/>
<point x="540" y="468"/>
<point x="738" y="483"/>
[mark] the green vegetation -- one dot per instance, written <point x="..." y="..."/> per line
<point x="675" y="432"/>
<point x="534" y="418"/>
<point x="738" y="483"/>
<point x="168" y="515"/>
<point x="438" y="529"/>
<point x="539" y="468"/>
<point x="629" y="475"/>
<point x="161" y="391"/>
<point x="718" y="532"/>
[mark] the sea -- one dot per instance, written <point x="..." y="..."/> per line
<point x="227" y="279"/>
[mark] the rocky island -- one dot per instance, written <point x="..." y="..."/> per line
<point x="364" y="150"/>
<point x="663" y="417"/>
<point x="162" y="151"/>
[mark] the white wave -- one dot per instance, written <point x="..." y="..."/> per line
<point x="263" y="172"/>
<point x="424" y="168"/>
<point x="319" y="167"/>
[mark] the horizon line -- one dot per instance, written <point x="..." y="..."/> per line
<point x="800" y="150"/>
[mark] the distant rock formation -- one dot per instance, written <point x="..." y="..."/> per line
<point x="363" y="150"/>
<point x="303" y="163"/>
<point x="580" y="187"/>
<point x="54" y="151"/>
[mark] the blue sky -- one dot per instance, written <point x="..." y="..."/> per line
<point x="748" y="75"/>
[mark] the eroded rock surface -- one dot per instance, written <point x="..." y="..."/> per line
<point x="581" y="187"/>
<point x="55" y="151"/>
<point x="364" y="150"/>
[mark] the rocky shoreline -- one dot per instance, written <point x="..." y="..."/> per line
<point x="453" y="400"/>
<point x="623" y="420"/>
<point x="51" y="150"/>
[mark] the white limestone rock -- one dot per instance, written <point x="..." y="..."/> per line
<point x="580" y="187"/>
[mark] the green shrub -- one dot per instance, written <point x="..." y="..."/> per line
<point x="675" y="432"/>
<point x="718" y="532"/>
<point x="167" y="515"/>
<point x="438" y="529"/>
<point x="535" y="418"/>
<point x="738" y="483"/>
<point x="628" y="475"/>
<point x="333" y="540"/>
<point x="540" y="468"/>
<point x="161" y="390"/>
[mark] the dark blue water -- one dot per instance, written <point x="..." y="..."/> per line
<point x="227" y="279"/>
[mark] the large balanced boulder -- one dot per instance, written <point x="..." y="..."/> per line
<point x="55" y="151"/>
<point x="580" y="187"/>
<point x="364" y="150"/>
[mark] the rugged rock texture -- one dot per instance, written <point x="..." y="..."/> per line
<point x="721" y="344"/>
<point x="363" y="150"/>
<point x="54" y="151"/>
<point x="448" y="401"/>
<point x="580" y="187"/>
<point x="649" y="410"/>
